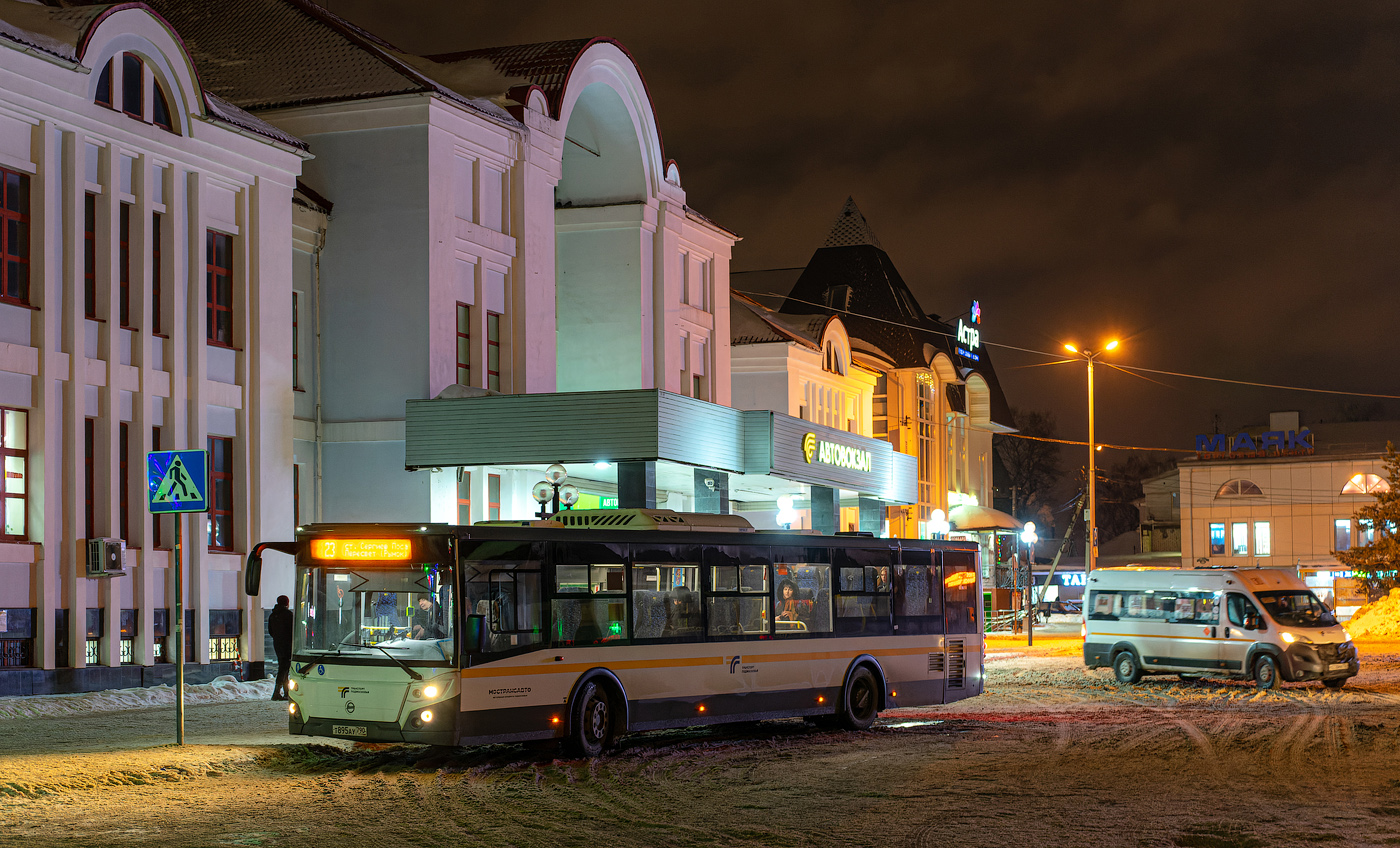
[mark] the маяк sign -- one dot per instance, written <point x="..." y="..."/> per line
<point x="1245" y="446"/>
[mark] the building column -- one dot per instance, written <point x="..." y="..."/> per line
<point x="872" y="514"/>
<point x="711" y="491"/>
<point x="636" y="485"/>
<point x="826" y="509"/>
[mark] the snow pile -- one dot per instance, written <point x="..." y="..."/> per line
<point x="219" y="690"/>
<point x="1378" y="619"/>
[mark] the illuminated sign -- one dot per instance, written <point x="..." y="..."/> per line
<point x="960" y="578"/>
<point x="1073" y="578"/>
<point x="362" y="549"/>
<point x="1245" y="446"/>
<point x="970" y="335"/>
<point x="831" y="453"/>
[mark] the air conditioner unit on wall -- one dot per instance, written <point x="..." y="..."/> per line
<point x="104" y="557"/>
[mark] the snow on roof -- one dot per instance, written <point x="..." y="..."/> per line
<point x="226" y="111"/>
<point x="55" y="31"/>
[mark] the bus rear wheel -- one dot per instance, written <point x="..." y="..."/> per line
<point x="860" y="702"/>
<point x="593" y="720"/>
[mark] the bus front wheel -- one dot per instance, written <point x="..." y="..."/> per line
<point x="593" y="720"/>
<point x="860" y="702"/>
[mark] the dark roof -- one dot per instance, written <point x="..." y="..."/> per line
<point x="307" y="196"/>
<point x="545" y="66"/>
<point x="852" y="276"/>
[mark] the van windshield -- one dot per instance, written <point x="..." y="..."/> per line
<point x="1297" y="609"/>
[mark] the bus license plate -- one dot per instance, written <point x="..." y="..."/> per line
<point x="349" y="730"/>
<point x="1338" y="667"/>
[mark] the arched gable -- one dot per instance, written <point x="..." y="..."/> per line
<point x="942" y="366"/>
<point x="612" y="151"/>
<point x="133" y="28"/>
<point x="836" y="346"/>
<point x="979" y="399"/>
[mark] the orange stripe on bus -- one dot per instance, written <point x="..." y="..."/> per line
<point x="551" y="667"/>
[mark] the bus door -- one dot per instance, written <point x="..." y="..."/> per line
<point x="502" y="602"/>
<point x="1194" y="624"/>
<point x="1243" y="623"/>
<point x="962" y="599"/>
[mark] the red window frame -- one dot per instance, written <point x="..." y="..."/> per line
<point x="296" y="343"/>
<point x="218" y="272"/>
<point x="493" y="497"/>
<point x="464" y="343"/>
<point x="296" y="495"/>
<point x="89" y="256"/>
<point x="221" y="493"/>
<point x="14" y="237"/>
<point x="89" y="472"/>
<point x="156" y="519"/>
<point x="464" y="497"/>
<point x="14" y="445"/>
<point x="124" y="265"/>
<point x="155" y="272"/>
<point x="124" y="497"/>
<point x="132" y="63"/>
<point x="104" y="85"/>
<point x="493" y="351"/>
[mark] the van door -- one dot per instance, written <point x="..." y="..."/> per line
<point x="1243" y="624"/>
<point x="1195" y="631"/>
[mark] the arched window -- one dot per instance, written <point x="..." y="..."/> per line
<point x="131" y="86"/>
<point x="1240" y="488"/>
<point x="834" y="361"/>
<point x="1365" y="484"/>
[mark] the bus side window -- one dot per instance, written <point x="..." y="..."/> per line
<point x="959" y="591"/>
<point x="802" y="598"/>
<point x="738" y="602"/>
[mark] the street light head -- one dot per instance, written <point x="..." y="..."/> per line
<point x="1071" y="348"/>
<point x="1111" y="345"/>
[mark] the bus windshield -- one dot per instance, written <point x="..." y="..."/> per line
<point x="406" y="611"/>
<point x="1297" y="609"/>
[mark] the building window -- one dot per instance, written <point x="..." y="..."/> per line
<point x="1239" y="489"/>
<point x="132" y="101"/>
<point x="833" y="361"/>
<point x="1263" y="543"/>
<point x="218" y="272"/>
<point x="89" y="463"/>
<point x="124" y="264"/>
<point x="221" y="485"/>
<point x="124" y="497"/>
<point x="90" y="256"/>
<point x="1239" y="539"/>
<point x="464" y="496"/>
<point x="160" y="110"/>
<point x="155" y="273"/>
<point x="880" y="406"/>
<point x="104" y="87"/>
<point x="1217" y="540"/>
<point x="156" y="520"/>
<point x="698" y="387"/>
<point x="464" y="344"/>
<point x="1365" y="484"/>
<point x="1342" y="532"/>
<point x="493" y="497"/>
<point x="296" y="342"/>
<point x="493" y="351"/>
<point x="14" y="447"/>
<point x="14" y="236"/>
<point x="1365" y="532"/>
<point x="296" y="495"/>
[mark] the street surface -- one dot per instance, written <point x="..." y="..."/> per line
<point x="1052" y="755"/>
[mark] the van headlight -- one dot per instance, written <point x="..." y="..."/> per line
<point x="1287" y="637"/>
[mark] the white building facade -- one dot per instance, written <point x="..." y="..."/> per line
<point x="147" y="275"/>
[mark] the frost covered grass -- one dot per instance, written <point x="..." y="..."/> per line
<point x="219" y="690"/>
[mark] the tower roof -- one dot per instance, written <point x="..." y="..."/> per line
<point x="851" y="228"/>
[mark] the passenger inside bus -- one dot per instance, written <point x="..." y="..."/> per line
<point x="427" y="622"/>
<point x="793" y="611"/>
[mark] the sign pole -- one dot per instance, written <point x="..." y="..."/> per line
<point x="179" y="638"/>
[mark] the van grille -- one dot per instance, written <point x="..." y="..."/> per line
<point x="957" y="664"/>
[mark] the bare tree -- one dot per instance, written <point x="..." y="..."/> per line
<point x="1032" y="466"/>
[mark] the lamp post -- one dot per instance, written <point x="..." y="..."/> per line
<point x="553" y="487"/>
<point x="1091" y="546"/>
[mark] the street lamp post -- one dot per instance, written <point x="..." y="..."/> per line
<point x="1091" y="545"/>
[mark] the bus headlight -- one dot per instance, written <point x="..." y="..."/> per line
<point x="291" y="685"/>
<point x="292" y="708"/>
<point x="427" y="716"/>
<point x="429" y="691"/>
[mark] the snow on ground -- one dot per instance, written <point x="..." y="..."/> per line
<point x="219" y="690"/>
<point x="1378" y="619"/>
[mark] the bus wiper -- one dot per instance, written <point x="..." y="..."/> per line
<point x="411" y="673"/>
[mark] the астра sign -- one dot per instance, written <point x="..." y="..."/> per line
<point x="830" y="453"/>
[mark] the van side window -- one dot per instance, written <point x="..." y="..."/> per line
<point x="1240" y="609"/>
<point x="1195" y="608"/>
<point x="1105" y="606"/>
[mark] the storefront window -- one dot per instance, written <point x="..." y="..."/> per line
<point x="1262" y="543"/>
<point x="1217" y="540"/>
<point x="1239" y="538"/>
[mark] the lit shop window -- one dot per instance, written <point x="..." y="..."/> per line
<point x="1263" y="544"/>
<point x="1217" y="539"/>
<point x="14" y="447"/>
<point x="1239" y="539"/>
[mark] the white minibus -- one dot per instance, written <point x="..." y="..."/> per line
<point x="1259" y="623"/>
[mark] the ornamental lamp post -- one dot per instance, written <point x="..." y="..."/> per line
<point x="1091" y="546"/>
<point x="553" y="488"/>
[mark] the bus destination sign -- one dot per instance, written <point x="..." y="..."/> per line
<point x="362" y="549"/>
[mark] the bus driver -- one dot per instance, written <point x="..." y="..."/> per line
<point x="425" y="622"/>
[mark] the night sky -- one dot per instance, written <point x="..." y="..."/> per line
<point x="1214" y="183"/>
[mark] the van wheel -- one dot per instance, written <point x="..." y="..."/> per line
<point x="1266" y="672"/>
<point x="593" y="720"/>
<point x="860" y="703"/>
<point x="1335" y="682"/>
<point x="1126" y="668"/>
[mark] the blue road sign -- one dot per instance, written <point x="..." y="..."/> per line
<point x="178" y="481"/>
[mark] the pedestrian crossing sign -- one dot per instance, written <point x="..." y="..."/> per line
<point x="178" y="481"/>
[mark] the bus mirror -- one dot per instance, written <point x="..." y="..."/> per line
<point x="476" y="632"/>
<point x="252" y="572"/>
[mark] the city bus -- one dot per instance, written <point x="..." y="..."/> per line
<point x="596" y="623"/>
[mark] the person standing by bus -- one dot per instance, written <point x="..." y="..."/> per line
<point x="279" y="626"/>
